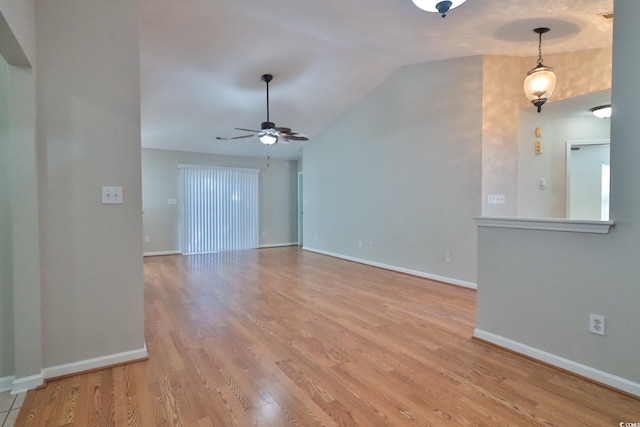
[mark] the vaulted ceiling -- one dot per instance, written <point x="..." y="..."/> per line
<point x="201" y="60"/>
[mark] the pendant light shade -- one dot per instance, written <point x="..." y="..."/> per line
<point x="541" y="80"/>
<point x="539" y="85"/>
<point x="441" y="7"/>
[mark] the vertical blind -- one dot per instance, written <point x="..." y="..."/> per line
<point x="220" y="209"/>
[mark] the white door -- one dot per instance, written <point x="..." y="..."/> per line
<point x="585" y="179"/>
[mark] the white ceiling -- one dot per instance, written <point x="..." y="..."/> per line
<point x="201" y="60"/>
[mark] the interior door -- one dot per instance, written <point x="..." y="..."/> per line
<point x="585" y="179"/>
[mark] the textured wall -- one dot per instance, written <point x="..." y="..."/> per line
<point x="501" y="90"/>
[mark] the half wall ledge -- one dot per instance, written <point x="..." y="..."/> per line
<point x="547" y="224"/>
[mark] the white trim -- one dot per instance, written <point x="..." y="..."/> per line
<point x="22" y="385"/>
<point x="417" y="273"/>
<point x="278" y="245"/>
<point x="548" y="224"/>
<point x="160" y="253"/>
<point x="5" y="383"/>
<point x="566" y="364"/>
<point x="95" y="363"/>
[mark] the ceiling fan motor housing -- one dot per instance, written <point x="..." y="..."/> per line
<point x="268" y="125"/>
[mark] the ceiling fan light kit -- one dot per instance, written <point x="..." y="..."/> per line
<point x="541" y="80"/>
<point x="438" y="6"/>
<point x="268" y="136"/>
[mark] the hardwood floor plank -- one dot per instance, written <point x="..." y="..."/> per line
<point x="282" y="337"/>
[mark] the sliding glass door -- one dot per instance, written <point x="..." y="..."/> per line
<point x="219" y="209"/>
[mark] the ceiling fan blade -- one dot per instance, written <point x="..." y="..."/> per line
<point x="283" y="141"/>
<point x="283" y="130"/>
<point x="248" y="130"/>
<point x="295" y="137"/>
<point x="222" y="138"/>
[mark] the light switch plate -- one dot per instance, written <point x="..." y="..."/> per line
<point x="112" y="195"/>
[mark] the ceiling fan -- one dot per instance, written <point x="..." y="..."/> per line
<point x="269" y="133"/>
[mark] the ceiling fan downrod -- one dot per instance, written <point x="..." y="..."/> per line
<point x="268" y="124"/>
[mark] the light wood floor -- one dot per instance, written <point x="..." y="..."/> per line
<point x="281" y="337"/>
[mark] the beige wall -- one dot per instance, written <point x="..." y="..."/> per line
<point x="501" y="92"/>
<point x="88" y="120"/>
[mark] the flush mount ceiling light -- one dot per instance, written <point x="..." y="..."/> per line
<point x="540" y="81"/>
<point x="601" y="111"/>
<point x="441" y="7"/>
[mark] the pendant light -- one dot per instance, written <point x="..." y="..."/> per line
<point x="441" y="7"/>
<point x="540" y="81"/>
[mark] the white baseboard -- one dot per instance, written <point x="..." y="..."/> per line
<point x="566" y="364"/>
<point x="422" y="274"/>
<point x="6" y="383"/>
<point x="161" y="253"/>
<point x="24" y="384"/>
<point x="278" y="245"/>
<point x="95" y="363"/>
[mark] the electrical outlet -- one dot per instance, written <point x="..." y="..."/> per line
<point x="147" y="238"/>
<point x="447" y="256"/>
<point x="596" y="324"/>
